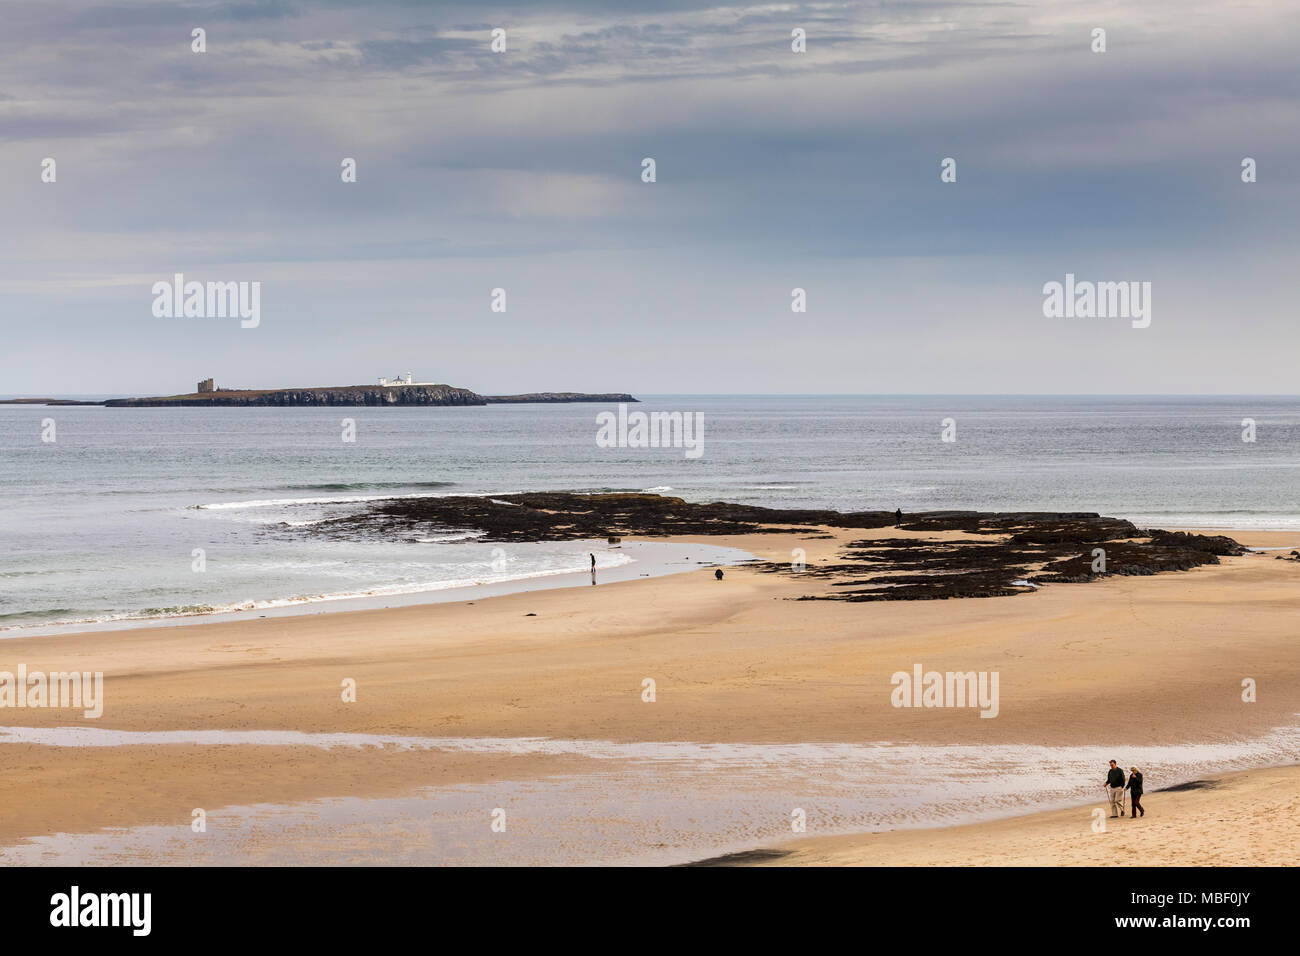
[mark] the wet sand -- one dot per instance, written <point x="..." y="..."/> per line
<point x="1139" y="662"/>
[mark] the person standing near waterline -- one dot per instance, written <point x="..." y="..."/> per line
<point x="898" y="518"/>
<point x="1115" y="790"/>
<point x="1134" y="788"/>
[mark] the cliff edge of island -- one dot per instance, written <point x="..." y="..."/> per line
<point x="400" y="394"/>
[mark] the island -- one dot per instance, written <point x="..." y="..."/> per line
<point x="535" y="397"/>
<point x="399" y="391"/>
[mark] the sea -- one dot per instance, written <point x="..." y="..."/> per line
<point x="113" y="516"/>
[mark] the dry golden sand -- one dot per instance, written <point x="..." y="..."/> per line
<point x="1147" y="660"/>
<point x="1242" y="819"/>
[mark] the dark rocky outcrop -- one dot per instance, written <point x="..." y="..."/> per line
<point x="895" y="569"/>
<point x="562" y="516"/>
<point x="533" y="397"/>
<point x="1003" y="553"/>
<point x="356" y="395"/>
<point x="344" y="395"/>
<point x="553" y="515"/>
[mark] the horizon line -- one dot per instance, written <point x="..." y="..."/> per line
<point x="87" y="396"/>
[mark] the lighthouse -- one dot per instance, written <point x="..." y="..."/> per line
<point x="409" y="379"/>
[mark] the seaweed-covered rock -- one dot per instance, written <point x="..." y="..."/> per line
<point x="1005" y="553"/>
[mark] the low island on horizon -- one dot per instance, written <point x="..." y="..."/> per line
<point x="398" y="391"/>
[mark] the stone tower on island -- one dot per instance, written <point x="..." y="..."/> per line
<point x="206" y="385"/>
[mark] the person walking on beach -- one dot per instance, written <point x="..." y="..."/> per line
<point x="898" y="518"/>
<point x="1134" y="788"/>
<point x="1115" y="790"/>
<point x="593" y="561"/>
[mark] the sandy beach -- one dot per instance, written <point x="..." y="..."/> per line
<point x="1237" y="819"/>
<point x="1127" y="662"/>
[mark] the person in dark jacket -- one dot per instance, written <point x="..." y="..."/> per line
<point x="1115" y="790"/>
<point x="898" y="518"/>
<point x="1134" y="788"/>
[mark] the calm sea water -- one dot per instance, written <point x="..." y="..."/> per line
<point x="103" y="522"/>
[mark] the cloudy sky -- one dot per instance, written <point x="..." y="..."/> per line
<point x="522" y="170"/>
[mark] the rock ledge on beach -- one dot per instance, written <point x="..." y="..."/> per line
<point x="1000" y="553"/>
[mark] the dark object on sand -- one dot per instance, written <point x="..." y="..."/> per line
<point x="718" y="574"/>
<point x="898" y="518"/>
<point x="739" y="859"/>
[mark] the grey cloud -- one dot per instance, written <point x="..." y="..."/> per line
<point x="479" y="170"/>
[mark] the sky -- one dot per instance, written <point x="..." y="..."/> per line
<point x="774" y="170"/>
